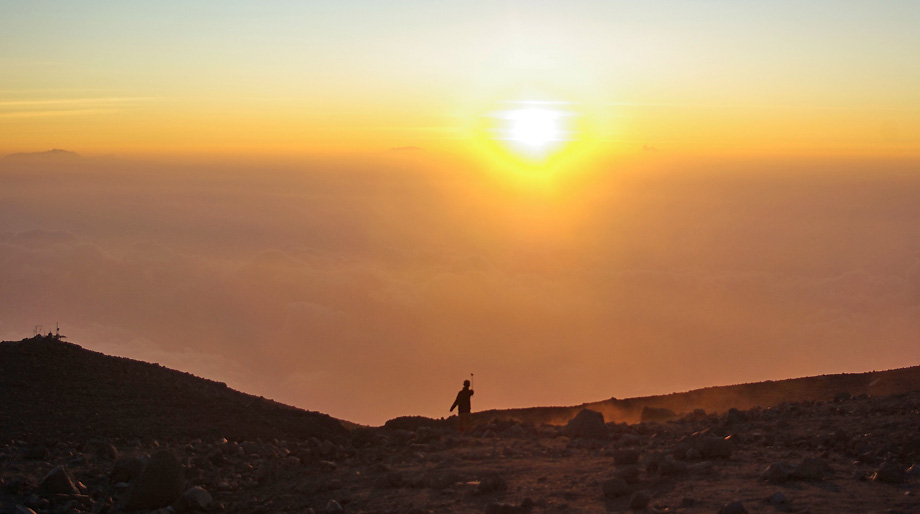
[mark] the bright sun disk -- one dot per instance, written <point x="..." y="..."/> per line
<point x="534" y="126"/>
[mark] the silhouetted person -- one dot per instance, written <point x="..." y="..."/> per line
<point x="462" y="404"/>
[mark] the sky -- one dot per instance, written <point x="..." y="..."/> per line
<point x="351" y="206"/>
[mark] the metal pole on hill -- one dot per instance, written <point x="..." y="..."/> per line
<point x="471" y="381"/>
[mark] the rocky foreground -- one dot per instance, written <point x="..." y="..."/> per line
<point x="852" y="454"/>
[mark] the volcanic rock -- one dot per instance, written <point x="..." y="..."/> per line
<point x="810" y="468"/>
<point x="58" y="481"/>
<point x="711" y="447"/>
<point x="639" y="500"/>
<point x="126" y="469"/>
<point x="615" y="488"/>
<point x="889" y="472"/>
<point x="492" y="484"/>
<point x="733" y="508"/>
<point x="160" y="484"/>
<point x="588" y="424"/>
<point x="776" y="473"/>
<point x="196" y="498"/>
<point x="626" y="456"/>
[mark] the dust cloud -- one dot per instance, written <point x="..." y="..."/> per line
<point x="369" y="288"/>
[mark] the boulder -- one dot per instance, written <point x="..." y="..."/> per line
<point x="639" y="500"/>
<point x="492" y="484"/>
<point x="58" y="481"/>
<point x="711" y="447"/>
<point x="126" y="469"/>
<point x="733" y="508"/>
<point x="159" y="485"/>
<point x="615" y="488"/>
<point x="776" y="473"/>
<point x="625" y="457"/>
<point x="629" y="474"/>
<point x="587" y="424"/>
<point x="777" y="499"/>
<point x="196" y="498"/>
<point x="889" y="472"/>
<point x="810" y="468"/>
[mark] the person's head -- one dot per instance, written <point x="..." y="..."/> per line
<point x="466" y="384"/>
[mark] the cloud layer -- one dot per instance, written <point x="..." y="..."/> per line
<point x="371" y="289"/>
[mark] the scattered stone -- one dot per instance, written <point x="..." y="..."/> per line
<point x="914" y="471"/>
<point x="711" y="447"/>
<point x="196" y="498"/>
<point x="777" y="499"/>
<point x="639" y="500"/>
<point x="776" y="473"/>
<point x="160" y="484"/>
<point x="889" y="472"/>
<point x="733" y="508"/>
<point x="505" y="508"/>
<point x="22" y="509"/>
<point x="588" y="424"/>
<point x="629" y="474"/>
<point x="37" y="452"/>
<point x="810" y="468"/>
<point x="107" y="451"/>
<point x="333" y="507"/>
<point x="58" y="481"/>
<point x="626" y="456"/>
<point x="126" y="469"/>
<point x="615" y="488"/>
<point x="492" y="484"/>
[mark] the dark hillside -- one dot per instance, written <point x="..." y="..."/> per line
<point x="51" y="390"/>
<point x="721" y="399"/>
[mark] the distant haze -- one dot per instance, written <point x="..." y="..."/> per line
<point x="371" y="288"/>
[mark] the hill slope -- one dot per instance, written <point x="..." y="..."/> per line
<point x="722" y="398"/>
<point x="53" y="390"/>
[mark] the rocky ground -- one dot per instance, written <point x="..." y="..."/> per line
<point x="847" y="455"/>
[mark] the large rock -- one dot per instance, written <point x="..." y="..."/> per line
<point x="626" y="456"/>
<point x="711" y="447"/>
<point x="639" y="500"/>
<point x="58" y="481"/>
<point x="889" y="472"/>
<point x="733" y="508"/>
<point x="587" y="424"/>
<point x="810" y="468"/>
<point x="126" y="469"/>
<point x="615" y="488"/>
<point x="197" y="498"/>
<point x="776" y="473"/>
<point x="159" y="485"/>
<point x="492" y="484"/>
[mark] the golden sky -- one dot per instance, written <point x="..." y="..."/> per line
<point x="307" y="78"/>
<point x="349" y="206"/>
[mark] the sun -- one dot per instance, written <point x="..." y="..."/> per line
<point x="534" y="130"/>
<point x="534" y="126"/>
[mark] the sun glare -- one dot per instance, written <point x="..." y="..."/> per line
<point x="534" y="129"/>
<point x="534" y="126"/>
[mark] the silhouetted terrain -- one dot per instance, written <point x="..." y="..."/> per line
<point x="85" y="432"/>
<point x="723" y="398"/>
<point x="52" y="390"/>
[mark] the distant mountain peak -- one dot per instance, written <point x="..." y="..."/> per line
<point x="51" y="155"/>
